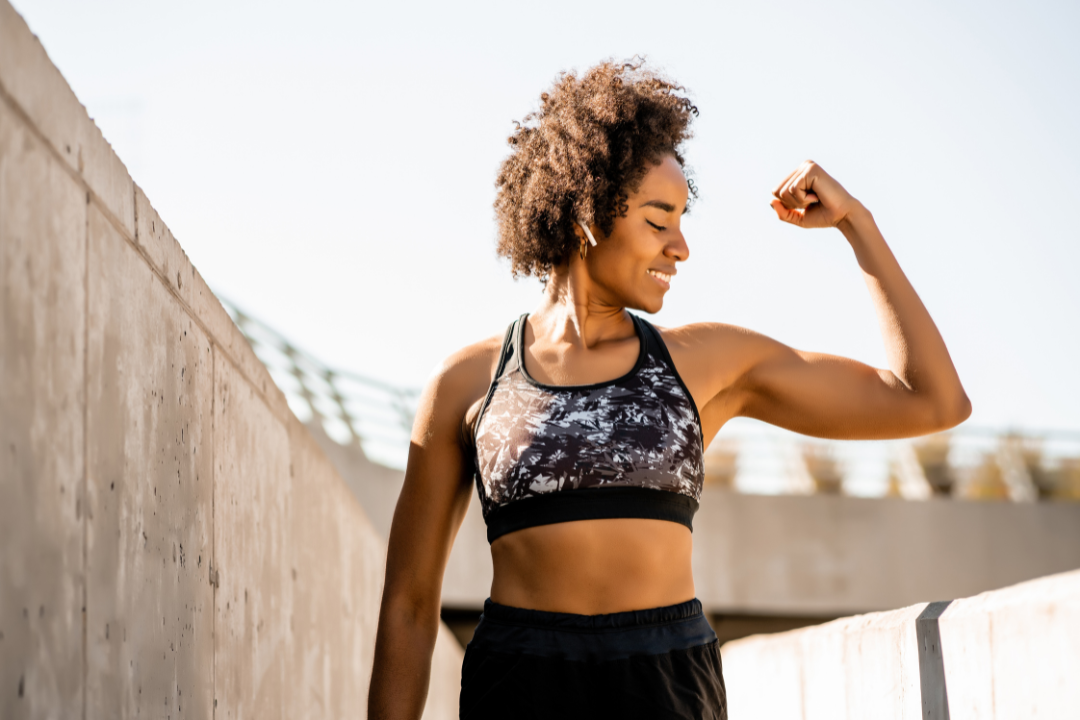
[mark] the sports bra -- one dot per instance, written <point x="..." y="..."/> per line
<point x="625" y="448"/>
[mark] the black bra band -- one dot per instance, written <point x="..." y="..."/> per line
<point x="593" y="503"/>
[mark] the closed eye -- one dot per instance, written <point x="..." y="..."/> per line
<point x="658" y="227"/>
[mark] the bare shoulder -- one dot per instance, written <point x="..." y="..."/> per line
<point x="713" y="358"/>
<point x="458" y="383"/>
<point x="713" y="340"/>
<point x="472" y="363"/>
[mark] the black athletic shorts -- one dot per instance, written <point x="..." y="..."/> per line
<point x="657" y="664"/>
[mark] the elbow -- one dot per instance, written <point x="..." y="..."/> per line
<point x="401" y="618"/>
<point x="411" y="607"/>
<point x="952" y="412"/>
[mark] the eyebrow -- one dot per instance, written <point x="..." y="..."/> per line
<point x="660" y="204"/>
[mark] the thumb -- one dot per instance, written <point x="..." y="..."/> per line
<point x="795" y="217"/>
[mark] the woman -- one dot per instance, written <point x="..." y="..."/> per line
<point x="585" y="426"/>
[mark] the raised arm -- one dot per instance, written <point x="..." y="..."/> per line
<point x="826" y="395"/>
<point x="429" y="512"/>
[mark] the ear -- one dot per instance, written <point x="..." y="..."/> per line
<point x="579" y="234"/>
<point x="587" y="233"/>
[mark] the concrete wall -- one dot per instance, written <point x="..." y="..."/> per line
<point x="832" y="555"/>
<point x="173" y="543"/>
<point x="1012" y="653"/>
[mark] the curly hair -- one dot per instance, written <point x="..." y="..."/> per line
<point x="579" y="156"/>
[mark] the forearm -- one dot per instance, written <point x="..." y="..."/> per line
<point x="402" y="669"/>
<point x="916" y="352"/>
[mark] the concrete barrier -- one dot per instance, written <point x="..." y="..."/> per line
<point x="172" y="540"/>
<point x="1002" y="655"/>
<point x="832" y="555"/>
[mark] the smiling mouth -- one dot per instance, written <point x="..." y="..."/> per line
<point x="661" y="276"/>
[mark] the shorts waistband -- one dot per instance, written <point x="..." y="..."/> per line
<point x="591" y="638"/>
<point x="570" y="622"/>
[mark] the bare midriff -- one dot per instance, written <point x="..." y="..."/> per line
<point x="594" y="567"/>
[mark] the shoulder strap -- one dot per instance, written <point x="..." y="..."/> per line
<point x="508" y="351"/>
<point x="654" y="342"/>
<point x="659" y="349"/>
<point x="511" y="352"/>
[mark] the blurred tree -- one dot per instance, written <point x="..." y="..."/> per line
<point x="1054" y="480"/>
<point x="985" y="481"/>
<point x="895" y="486"/>
<point x="933" y="454"/>
<point x="1035" y="461"/>
<point x="823" y="467"/>
<point x="1067" y="486"/>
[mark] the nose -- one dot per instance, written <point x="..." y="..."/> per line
<point x="677" y="249"/>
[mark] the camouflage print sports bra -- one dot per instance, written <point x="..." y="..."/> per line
<point x="626" y="448"/>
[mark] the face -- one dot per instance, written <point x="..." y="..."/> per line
<point x="635" y="265"/>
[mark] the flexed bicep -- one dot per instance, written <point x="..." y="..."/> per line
<point x="837" y="397"/>
<point x="832" y="397"/>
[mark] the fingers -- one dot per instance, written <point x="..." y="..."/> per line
<point x="796" y="191"/>
<point x="810" y="197"/>
<point x="784" y="183"/>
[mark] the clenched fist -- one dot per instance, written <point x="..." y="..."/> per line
<point x="811" y="198"/>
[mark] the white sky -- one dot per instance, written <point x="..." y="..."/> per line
<point x="330" y="166"/>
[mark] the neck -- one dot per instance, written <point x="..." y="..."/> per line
<point x="575" y="311"/>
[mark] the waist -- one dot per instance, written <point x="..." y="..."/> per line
<point x="594" y="566"/>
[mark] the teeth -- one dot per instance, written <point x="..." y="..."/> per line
<point x="663" y="276"/>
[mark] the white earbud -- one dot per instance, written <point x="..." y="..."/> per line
<point x="592" y="240"/>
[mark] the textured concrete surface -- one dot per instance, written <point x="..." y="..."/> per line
<point x="254" y="598"/>
<point x="838" y="555"/>
<point x="468" y="571"/>
<point x="299" y="570"/>
<point x="156" y="242"/>
<point x="173" y="543"/>
<point x="42" y="426"/>
<point x="1010" y="653"/>
<point x="854" y="667"/>
<point x="150" y="473"/>
<point x="373" y="481"/>
<point x="41" y="94"/>
<point x="336" y="576"/>
<point x="1015" y="653"/>
<point x="859" y="667"/>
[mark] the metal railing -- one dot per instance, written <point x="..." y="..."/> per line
<point x="354" y="410"/>
<point x="970" y="463"/>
